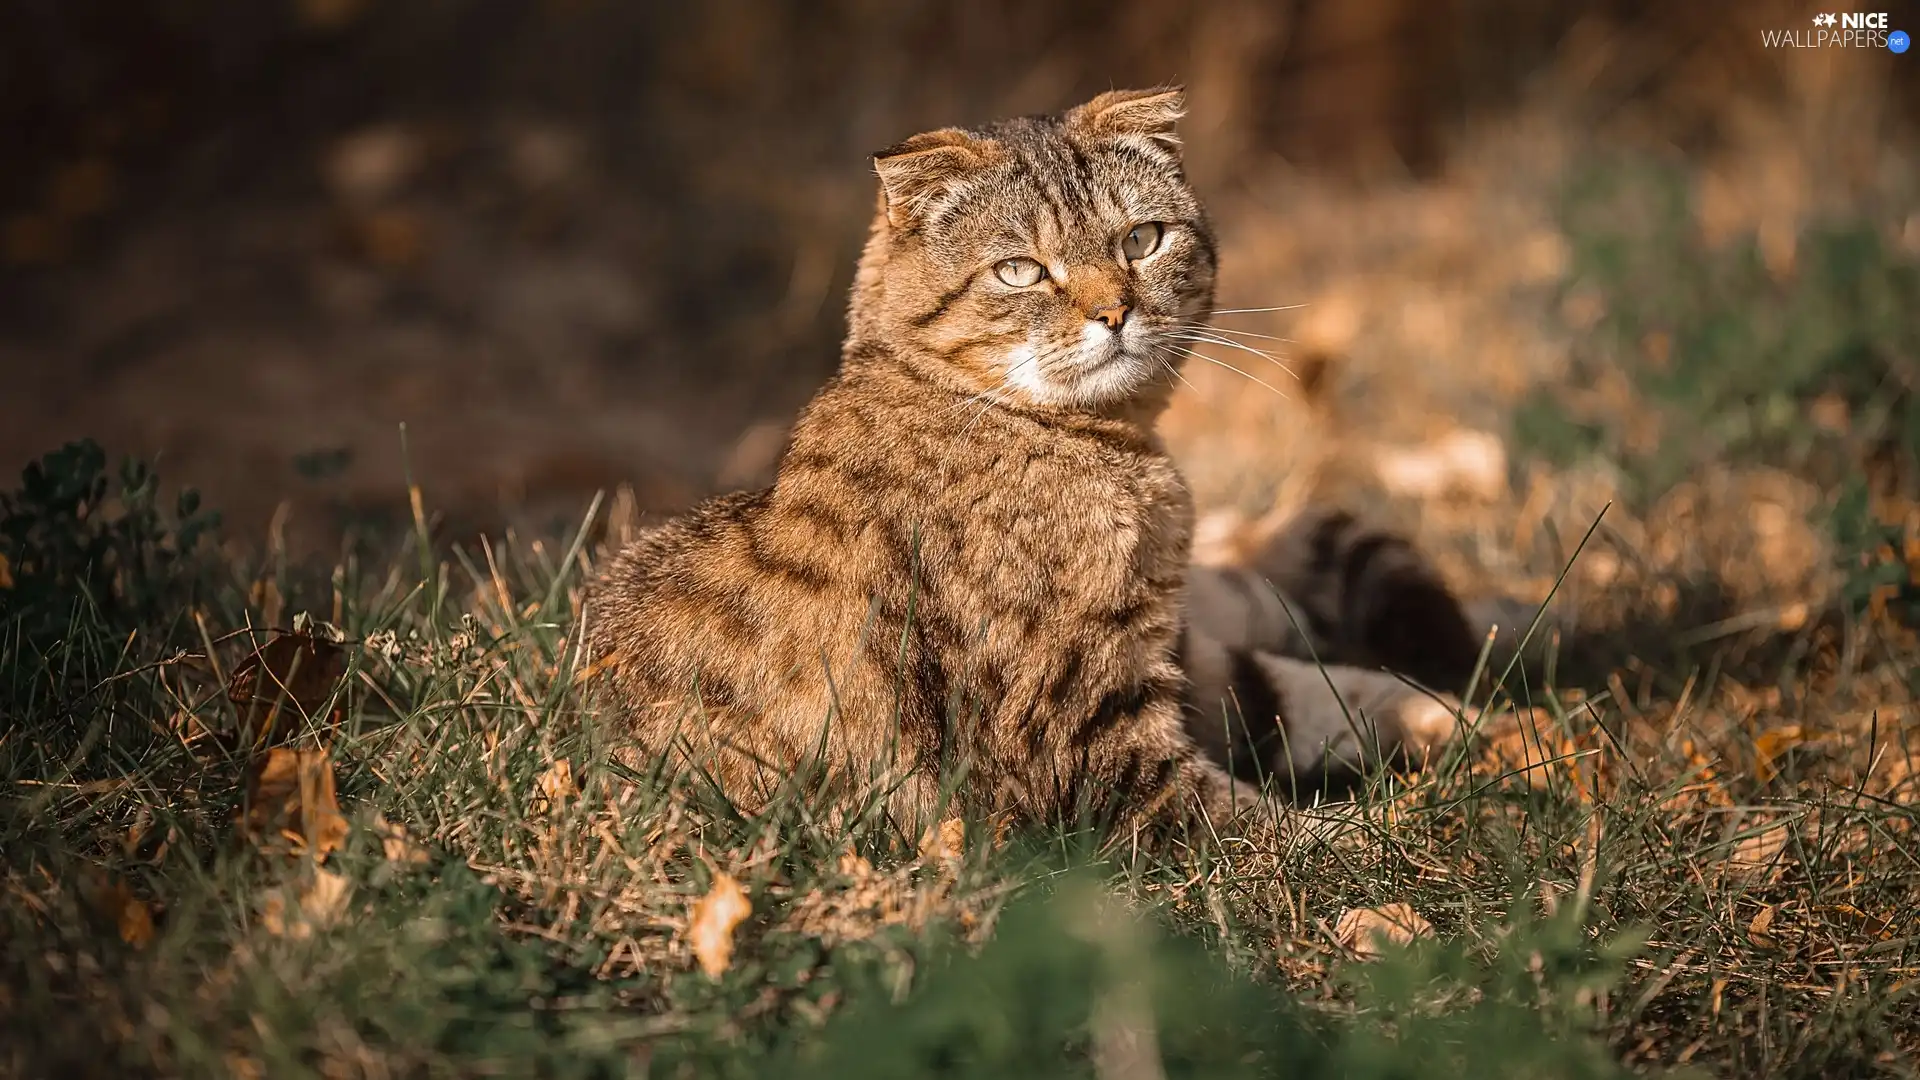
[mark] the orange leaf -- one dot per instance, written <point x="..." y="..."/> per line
<point x="557" y="783"/>
<point x="1760" y="855"/>
<point x="714" y="918"/>
<point x="1367" y="930"/>
<point x="397" y="844"/>
<point x="290" y="798"/>
<point x="130" y="916"/>
<point x="945" y="841"/>
<point x="319" y="903"/>
<point x="1770" y="745"/>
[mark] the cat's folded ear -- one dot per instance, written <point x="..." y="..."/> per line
<point x="914" y="171"/>
<point x="1149" y="114"/>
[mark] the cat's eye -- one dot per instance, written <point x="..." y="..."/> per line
<point x="1019" y="273"/>
<point x="1142" y="241"/>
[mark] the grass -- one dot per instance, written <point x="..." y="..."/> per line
<point x="1621" y="888"/>
<point x="1802" y="359"/>
<point x="1698" y="857"/>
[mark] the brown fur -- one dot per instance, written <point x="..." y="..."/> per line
<point x="973" y="559"/>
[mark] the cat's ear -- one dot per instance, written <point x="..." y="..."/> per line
<point x="914" y="171"/>
<point x="1149" y="114"/>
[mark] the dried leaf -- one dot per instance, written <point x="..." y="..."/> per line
<point x="130" y="916"/>
<point x="320" y="902"/>
<point x="329" y="14"/>
<point x="290" y="799"/>
<point x="1366" y="931"/>
<point x="1770" y="745"/>
<point x="1830" y="412"/>
<point x="325" y="899"/>
<point x="6" y="572"/>
<point x="1794" y="616"/>
<point x="1534" y="745"/>
<point x="1878" y="927"/>
<point x="946" y="840"/>
<point x="1757" y="929"/>
<point x="1759" y="855"/>
<point x="1472" y="462"/>
<point x="398" y="845"/>
<point x="284" y="685"/>
<point x="714" y="917"/>
<point x="557" y="783"/>
<point x="388" y="238"/>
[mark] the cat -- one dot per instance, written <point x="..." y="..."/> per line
<point x="974" y="559"/>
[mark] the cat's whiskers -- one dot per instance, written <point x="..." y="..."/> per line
<point x="1222" y="363"/>
<point x="997" y="395"/>
<point x="1194" y="335"/>
<point x="1238" y="333"/>
<point x="1253" y="310"/>
<point x="995" y="399"/>
<point x="993" y="393"/>
<point x="1159" y="355"/>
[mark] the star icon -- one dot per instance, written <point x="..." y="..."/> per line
<point x="1824" y="19"/>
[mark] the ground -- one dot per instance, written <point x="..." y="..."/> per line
<point x="1658" y="399"/>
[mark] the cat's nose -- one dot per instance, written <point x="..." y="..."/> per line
<point x="1112" y="314"/>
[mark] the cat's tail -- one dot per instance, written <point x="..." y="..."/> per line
<point x="1323" y="584"/>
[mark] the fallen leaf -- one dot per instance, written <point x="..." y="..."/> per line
<point x="286" y="684"/>
<point x="1471" y="462"/>
<point x="130" y="916"/>
<point x="1759" y="855"/>
<point x="329" y="14"/>
<point x="557" y="783"/>
<point x="368" y="166"/>
<point x="1757" y="929"/>
<point x="1366" y="931"/>
<point x="1535" y="746"/>
<point x="946" y="840"/>
<point x="397" y="844"/>
<point x="290" y="798"/>
<point x="1830" y="412"/>
<point x="391" y="239"/>
<point x="325" y="899"/>
<point x="318" y="904"/>
<point x="714" y="917"/>
<point x="1877" y="927"/>
<point x="1770" y="745"/>
<point x="6" y="572"/>
<point x="1794" y="616"/>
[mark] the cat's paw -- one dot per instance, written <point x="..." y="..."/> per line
<point x="1430" y="723"/>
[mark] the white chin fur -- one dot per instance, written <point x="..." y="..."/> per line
<point x="1094" y="373"/>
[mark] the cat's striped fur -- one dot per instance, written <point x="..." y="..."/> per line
<point x="974" y="559"/>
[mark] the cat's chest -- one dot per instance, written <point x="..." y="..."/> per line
<point x="1078" y="529"/>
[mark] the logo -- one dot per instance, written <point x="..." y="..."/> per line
<point x="1846" y="30"/>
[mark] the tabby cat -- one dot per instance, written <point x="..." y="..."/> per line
<point x="973" y="562"/>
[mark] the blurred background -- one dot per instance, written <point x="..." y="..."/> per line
<point x="574" y="244"/>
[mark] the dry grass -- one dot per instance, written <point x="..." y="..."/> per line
<point x="1699" y="852"/>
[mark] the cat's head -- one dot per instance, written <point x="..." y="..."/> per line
<point x="1047" y="260"/>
